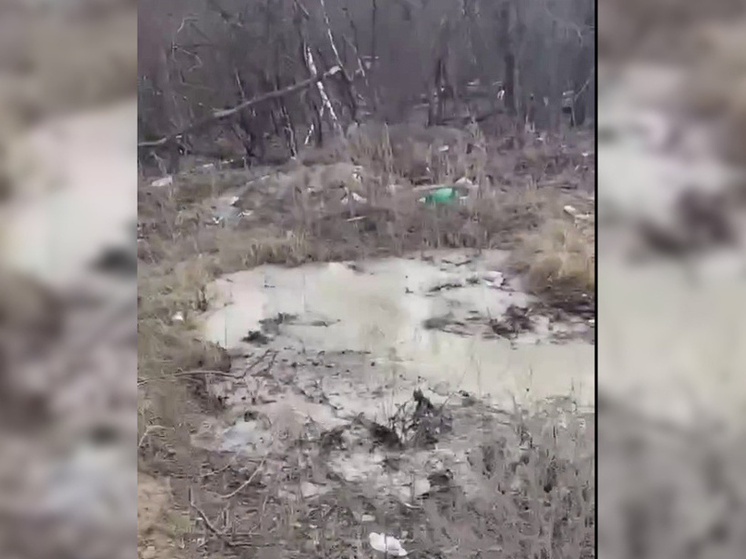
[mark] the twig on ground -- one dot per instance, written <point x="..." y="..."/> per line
<point x="141" y="382"/>
<point x="211" y="527"/>
<point x="149" y="429"/>
<point x="245" y="483"/>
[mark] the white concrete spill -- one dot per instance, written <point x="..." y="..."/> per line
<point x="386" y="544"/>
<point x="380" y="306"/>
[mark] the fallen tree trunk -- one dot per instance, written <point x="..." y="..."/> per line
<point x="225" y="113"/>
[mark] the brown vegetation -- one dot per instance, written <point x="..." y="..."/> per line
<point x="292" y="215"/>
<point x="335" y="170"/>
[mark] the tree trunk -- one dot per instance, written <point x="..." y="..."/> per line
<point x="349" y="89"/>
<point x="373" y="31"/>
<point x="508" y="58"/>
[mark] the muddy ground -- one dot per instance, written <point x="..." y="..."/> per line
<point x="284" y="441"/>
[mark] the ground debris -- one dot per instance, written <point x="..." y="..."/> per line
<point x="421" y="425"/>
<point x="446" y="286"/>
<point x="382" y="435"/>
<point x="515" y="321"/>
<point x="437" y="322"/>
<point x="256" y="337"/>
<point x="332" y="439"/>
<point x="271" y="326"/>
<point x="578" y="304"/>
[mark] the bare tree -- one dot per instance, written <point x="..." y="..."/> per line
<point x="396" y="59"/>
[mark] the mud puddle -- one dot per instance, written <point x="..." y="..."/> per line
<point x="356" y="425"/>
<point x="394" y="372"/>
<point x="448" y="319"/>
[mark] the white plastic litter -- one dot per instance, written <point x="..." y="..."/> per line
<point x="464" y="181"/>
<point x="386" y="544"/>
<point x="165" y="181"/>
<point x="575" y="214"/>
<point x="355" y="198"/>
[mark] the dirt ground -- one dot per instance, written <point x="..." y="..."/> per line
<point x="256" y="452"/>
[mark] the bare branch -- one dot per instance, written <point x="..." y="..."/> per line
<point x="225" y="113"/>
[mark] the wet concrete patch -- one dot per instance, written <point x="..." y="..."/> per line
<point x="460" y="323"/>
<point x="393" y="434"/>
<point x="391" y="374"/>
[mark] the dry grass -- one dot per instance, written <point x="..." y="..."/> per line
<point x="534" y="498"/>
<point x="537" y="483"/>
<point x="559" y="256"/>
<point x="182" y="250"/>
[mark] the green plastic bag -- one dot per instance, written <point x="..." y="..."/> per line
<point x="445" y="195"/>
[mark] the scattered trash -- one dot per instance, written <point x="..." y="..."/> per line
<point x="493" y="279"/>
<point x="357" y="173"/>
<point x="355" y="198"/>
<point x="235" y="200"/>
<point x="165" y="181"/>
<point x="368" y="518"/>
<point x="310" y="490"/>
<point x="443" y="149"/>
<point x="463" y="181"/>
<point x="386" y="544"/>
<point x="445" y="195"/>
<point x="570" y="210"/>
<point x="442" y="194"/>
<point x="178" y="317"/>
<point x="575" y="214"/>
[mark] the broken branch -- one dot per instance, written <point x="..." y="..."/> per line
<point x="225" y="113"/>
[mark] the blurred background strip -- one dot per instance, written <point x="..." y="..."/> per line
<point x="68" y="355"/>
<point x="672" y="264"/>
